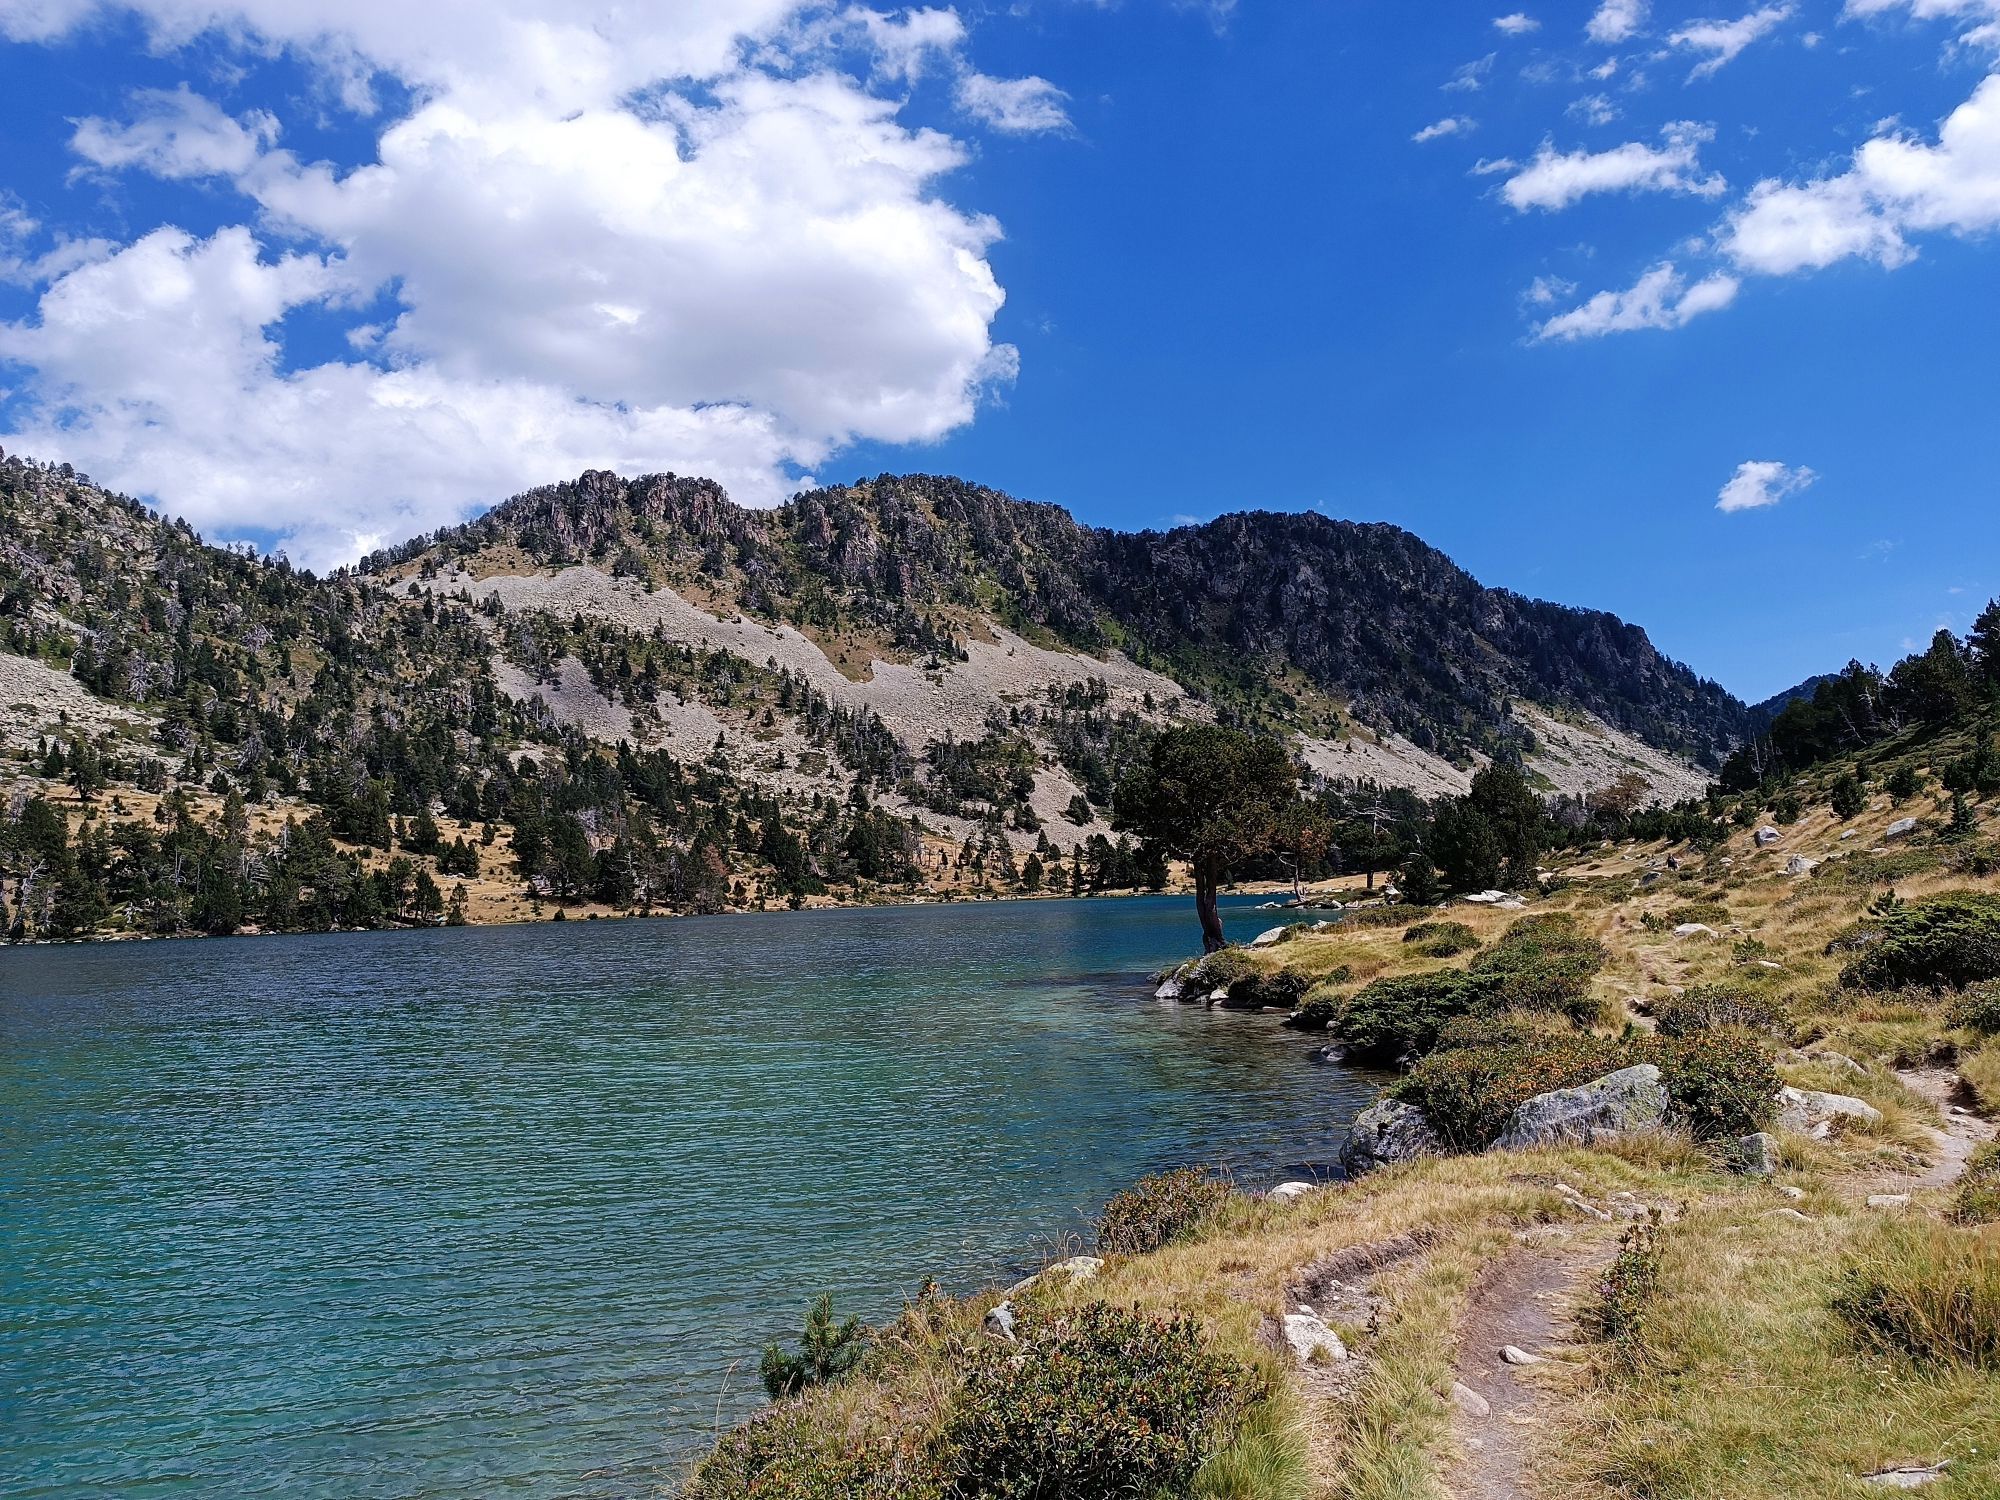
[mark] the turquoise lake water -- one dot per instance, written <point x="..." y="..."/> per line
<point x="508" y="1211"/>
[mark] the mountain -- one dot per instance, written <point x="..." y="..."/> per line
<point x="635" y="694"/>
<point x="1313" y="625"/>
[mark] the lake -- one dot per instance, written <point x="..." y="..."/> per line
<point x="509" y="1211"/>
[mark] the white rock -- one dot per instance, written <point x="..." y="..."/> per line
<point x="1905" y="1478"/>
<point x="1077" y="1268"/>
<point x="1288" y="1192"/>
<point x="1901" y="828"/>
<point x="1767" y="836"/>
<point x="1787" y="1213"/>
<point x="1798" y="864"/>
<point x="1469" y="1401"/>
<point x="1170" y="989"/>
<point x="1000" y="1322"/>
<point x="1806" y="1110"/>
<point x="1846" y="833"/>
<point x="1765" y="963"/>
<point x="1621" y="1103"/>
<point x="1694" y="930"/>
<point x="1793" y="1193"/>
<point x="1219" y="994"/>
<point x="1888" y="1200"/>
<point x="1267" y="937"/>
<point x="1311" y="1339"/>
<point x="1515" y="1355"/>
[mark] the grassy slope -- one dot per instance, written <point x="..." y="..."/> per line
<point x="1741" y="1380"/>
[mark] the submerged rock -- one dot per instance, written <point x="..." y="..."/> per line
<point x="1385" y="1133"/>
<point x="1622" y="1103"/>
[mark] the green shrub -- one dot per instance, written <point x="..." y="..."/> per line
<point x="1217" y="971"/>
<point x="1708" y="913"/>
<point x="1091" y="1404"/>
<point x="1441" y="939"/>
<point x="1978" y="1009"/>
<point x="1720" y="1084"/>
<point x="1708" y="1006"/>
<point x="1945" y="942"/>
<point x="1626" y="1295"/>
<point x="1470" y="1090"/>
<point x="1978" y="1200"/>
<point x="1377" y="916"/>
<point x="1391" y="1019"/>
<point x="1847" y="797"/>
<point x="1282" y="989"/>
<point x="1316" y="1011"/>
<point x="1543" y="963"/>
<point x="785" y="1455"/>
<point x="1160" y="1210"/>
<point x="826" y="1351"/>
<point x="1928" y="1291"/>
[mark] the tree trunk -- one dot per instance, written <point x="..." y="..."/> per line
<point x="1205" y="881"/>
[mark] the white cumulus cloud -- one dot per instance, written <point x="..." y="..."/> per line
<point x="1516" y="23"/>
<point x="1724" y="41"/>
<point x="1616" y="21"/>
<point x="1761" y="482"/>
<point x="1553" y="180"/>
<point x="1662" y="298"/>
<point x="689" y="237"/>
<point x="1437" y="130"/>
<point x="1895" y="186"/>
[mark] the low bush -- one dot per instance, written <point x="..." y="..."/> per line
<point x="1978" y="1009"/>
<point x="1217" y="971"/>
<point x="1317" y="1010"/>
<point x="1397" y="1018"/>
<point x="1377" y="916"/>
<point x="1978" y="1200"/>
<point x="1945" y="942"/>
<point x="785" y="1455"/>
<point x="1928" y="1291"/>
<point x="1708" y="1006"/>
<point x="1543" y="963"/>
<point x="1281" y="988"/>
<point x="1441" y="939"/>
<point x="1720" y="1084"/>
<point x="1470" y="1090"/>
<point x="1708" y="913"/>
<point x="1160" y="1210"/>
<point x="1626" y="1295"/>
<point x="1090" y="1404"/>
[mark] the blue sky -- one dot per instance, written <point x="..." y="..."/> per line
<point x="1685" y="312"/>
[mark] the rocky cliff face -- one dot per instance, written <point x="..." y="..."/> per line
<point x="1299" y="620"/>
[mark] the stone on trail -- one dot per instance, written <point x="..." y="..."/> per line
<point x="1621" y="1103"/>
<point x="1469" y="1401"/>
<point x="1311" y="1339"/>
<point x="1515" y="1355"/>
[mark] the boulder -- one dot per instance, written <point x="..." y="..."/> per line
<point x="1694" y="930"/>
<point x="1332" y="1052"/>
<point x="1902" y="828"/>
<point x="1513" y="1354"/>
<point x="1487" y="898"/>
<point x="1756" y="1154"/>
<point x="1311" y="1339"/>
<point x="1622" y="1103"/>
<point x="1288" y="1192"/>
<point x="1767" y="836"/>
<point x="1798" y="864"/>
<point x="1000" y="1322"/>
<point x="1809" y="1111"/>
<point x="1269" y="936"/>
<point x="1170" y="989"/>
<point x="1388" y="1131"/>
<point x="1077" y="1268"/>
